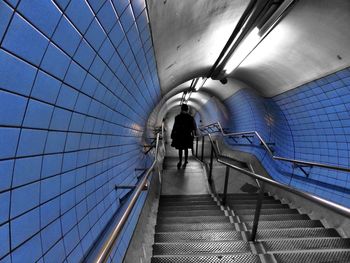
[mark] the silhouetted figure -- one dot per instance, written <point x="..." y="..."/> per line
<point x="183" y="132"/>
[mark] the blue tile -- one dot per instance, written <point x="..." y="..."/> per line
<point x="4" y="240"/>
<point x="76" y="255"/>
<point x="60" y="119"/>
<point x="6" y="168"/>
<point x="12" y="108"/>
<point x="107" y="17"/>
<point x="38" y="115"/>
<point x="56" y="254"/>
<point x="55" y="61"/>
<point x="50" y="235"/>
<point x="95" y="35"/>
<point x="71" y="239"/>
<point x="24" y="199"/>
<point x="97" y="68"/>
<point x="117" y="34"/>
<point x="50" y="188"/>
<point x="75" y="75"/>
<point x="138" y="6"/>
<point x="62" y="3"/>
<point x="85" y="55"/>
<point x="49" y="212"/>
<point x="8" y="142"/>
<point x="67" y="201"/>
<point x="67" y="37"/>
<point x="31" y="142"/>
<point x="107" y="50"/>
<point x="69" y="220"/>
<point x="26" y="170"/>
<point x="5" y="16"/>
<point x="4" y="206"/>
<point x="25" y="41"/>
<point x="46" y="88"/>
<point x="30" y="251"/>
<point x="10" y="68"/>
<point x="51" y="165"/>
<point x="43" y="14"/>
<point x="80" y="14"/>
<point x="120" y="5"/>
<point x="24" y="227"/>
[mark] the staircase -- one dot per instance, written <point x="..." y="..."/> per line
<point x="195" y="228"/>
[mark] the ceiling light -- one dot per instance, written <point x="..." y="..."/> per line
<point x="243" y="50"/>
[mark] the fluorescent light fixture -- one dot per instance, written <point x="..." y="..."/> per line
<point x="243" y="50"/>
<point x="200" y="83"/>
<point x="187" y="95"/>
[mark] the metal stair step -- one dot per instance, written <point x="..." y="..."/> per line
<point x="189" y="208"/>
<point x="314" y="257"/>
<point x="267" y="211"/>
<point x="185" y="203"/>
<point x="286" y="224"/>
<point x="278" y="217"/>
<point x="296" y="233"/>
<point x="190" y="213"/>
<point x="306" y="244"/>
<point x="247" y="197"/>
<point x="194" y="219"/>
<point x="197" y="236"/>
<point x="193" y="227"/>
<point x="249" y="202"/>
<point x="238" y="207"/>
<point x="232" y="258"/>
<point x="185" y="198"/>
<point x="187" y="248"/>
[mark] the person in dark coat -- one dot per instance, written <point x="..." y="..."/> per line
<point x="183" y="132"/>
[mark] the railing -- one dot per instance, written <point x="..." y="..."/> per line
<point x="107" y="246"/>
<point x="260" y="180"/>
<point x="210" y="129"/>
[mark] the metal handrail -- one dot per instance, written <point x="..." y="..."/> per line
<point x="267" y="148"/>
<point x="107" y="246"/>
<point x="329" y="204"/>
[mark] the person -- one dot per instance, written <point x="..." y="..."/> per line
<point x="183" y="133"/>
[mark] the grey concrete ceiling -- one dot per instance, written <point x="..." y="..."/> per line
<point x="311" y="41"/>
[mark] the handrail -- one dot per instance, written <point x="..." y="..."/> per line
<point x="267" y="148"/>
<point x="107" y="246"/>
<point x="326" y="203"/>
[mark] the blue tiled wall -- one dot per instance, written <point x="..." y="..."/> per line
<point x="310" y="122"/>
<point x="78" y="80"/>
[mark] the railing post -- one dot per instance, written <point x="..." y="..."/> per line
<point x="202" y="148"/>
<point x="257" y="211"/>
<point x="211" y="162"/>
<point x="197" y="146"/>
<point x="226" y="184"/>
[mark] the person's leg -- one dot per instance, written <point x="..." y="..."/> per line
<point x="180" y="158"/>
<point x="186" y="156"/>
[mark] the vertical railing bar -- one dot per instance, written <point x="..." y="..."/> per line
<point x="202" y="148"/>
<point x="227" y="173"/>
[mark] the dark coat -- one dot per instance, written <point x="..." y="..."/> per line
<point x="183" y="131"/>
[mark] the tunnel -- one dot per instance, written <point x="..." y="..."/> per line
<point x="89" y="90"/>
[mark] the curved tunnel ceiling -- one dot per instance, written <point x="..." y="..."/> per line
<point x="310" y="42"/>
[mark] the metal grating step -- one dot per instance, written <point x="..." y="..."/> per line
<point x="267" y="211"/>
<point x="197" y="236"/>
<point x="235" y="258"/>
<point x="296" y="233"/>
<point x="194" y="227"/>
<point x="286" y="224"/>
<point x="247" y="197"/>
<point x="201" y="248"/>
<point x="196" y="219"/>
<point x="277" y="217"/>
<point x="185" y="203"/>
<point x="191" y="213"/>
<point x="186" y="198"/>
<point x="306" y="244"/>
<point x="238" y="207"/>
<point x="189" y="208"/>
<point x="314" y="257"/>
<point x="249" y="202"/>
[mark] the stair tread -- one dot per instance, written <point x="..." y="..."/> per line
<point x="189" y="248"/>
<point x="189" y="208"/>
<point x="274" y="217"/>
<point x="303" y="244"/>
<point x="296" y="233"/>
<point x="190" y="213"/>
<point x="313" y="257"/>
<point x="231" y="258"/>
<point x="193" y="227"/>
<point x="187" y="203"/>
<point x="193" y="219"/>
<point x="197" y="236"/>
<point x="286" y="224"/>
<point x="266" y="211"/>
